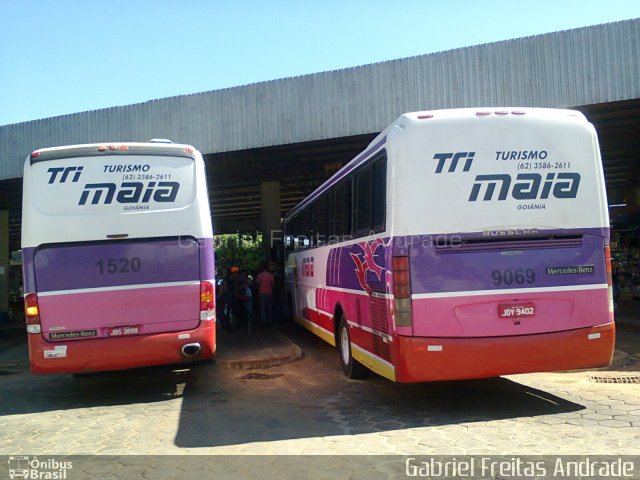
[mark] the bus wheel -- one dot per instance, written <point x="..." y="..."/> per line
<point x="351" y="367"/>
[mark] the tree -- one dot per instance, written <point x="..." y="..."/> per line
<point x="240" y="250"/>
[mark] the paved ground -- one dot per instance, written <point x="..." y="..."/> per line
<point x="308" y="407"/>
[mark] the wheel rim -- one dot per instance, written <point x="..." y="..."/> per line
<point x="345" y="347"/>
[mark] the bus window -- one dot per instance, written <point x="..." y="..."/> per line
<point x="364" y="202"/>
<point x="379" y="195"/>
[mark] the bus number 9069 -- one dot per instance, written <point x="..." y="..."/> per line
<point x="509" y="277"/>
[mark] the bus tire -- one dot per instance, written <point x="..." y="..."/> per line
<point x="351" y="367"/>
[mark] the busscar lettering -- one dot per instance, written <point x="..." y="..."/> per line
<point x="129" y="192"/>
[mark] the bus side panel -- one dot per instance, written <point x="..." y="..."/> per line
<point x="358" y="282"/>
<point x="305" y="271"/>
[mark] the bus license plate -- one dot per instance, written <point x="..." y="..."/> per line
<point x="122" y="331"/>
<point x="516" y="310"/>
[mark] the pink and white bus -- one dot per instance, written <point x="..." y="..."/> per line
<point x="117" y="250"/>
<point x="460" y="244"/>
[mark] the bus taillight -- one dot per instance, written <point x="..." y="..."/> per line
<point x="607" y="263"/>
<point x="207" y="301"/>
<point x="32" y="313"/>
<point x="402" y="291"/>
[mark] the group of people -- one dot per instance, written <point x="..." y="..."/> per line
<point x="239" y="293"/>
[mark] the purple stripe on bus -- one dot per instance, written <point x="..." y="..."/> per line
<point x="437" y="267"/>
<point x="28" y="278"/>
<point x="434" y="271"/>
<point x="207" y="264"/>
<point x="351" y="166"/>
<point x="113" y="264"/>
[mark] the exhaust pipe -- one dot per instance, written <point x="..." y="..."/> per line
<point x="191" y="349"/>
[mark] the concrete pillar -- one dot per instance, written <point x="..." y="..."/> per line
<point x="4" y="265"/>
<point x="271" y="221"/>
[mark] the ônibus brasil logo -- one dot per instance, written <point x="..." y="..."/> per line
<point x="33" y="468"/>
<point x="126" y="192"/>
<point x="525" y="186"/>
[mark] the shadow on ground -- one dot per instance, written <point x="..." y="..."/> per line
<point x="313" y="399"/>
<point x="22" y="392"/>
<point x="303" y="399"/>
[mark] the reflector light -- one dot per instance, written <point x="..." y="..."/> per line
<point x="34" y="328"/>
<point x="607" y="264"/>
<point x="400" y="263"/>
<point x="401" y="290"/>
<point x="402" y="313"/>
<point x="423" y="117"/>
<point x="35" y="154"/>
<point x="483" y="114"/>
<point x="502" y="113"/>
<point x="32" y="313"/>
<point x="207" y="301"/>
<point x="124" y="148"/>
<point x="401" y="277"/>
<point x="112" y="147"/>
<point x="188" y="150"/>
<point x="518" y="113"/>
<point x="102" y="148"/>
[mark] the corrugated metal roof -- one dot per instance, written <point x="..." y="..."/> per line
<point x="565" y="69"/>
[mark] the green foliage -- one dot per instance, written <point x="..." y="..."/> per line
<point x="243" y="251"/>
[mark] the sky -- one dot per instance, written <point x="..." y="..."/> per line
<point x="66" y="56"/>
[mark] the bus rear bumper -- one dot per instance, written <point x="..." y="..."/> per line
<point x="423" y="359"/>
<point x="106" y="354"/>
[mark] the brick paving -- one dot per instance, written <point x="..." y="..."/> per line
<point x="311" y="409"/>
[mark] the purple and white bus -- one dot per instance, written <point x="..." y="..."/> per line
<point x="460" y="244"/>
<point x="117" y="249"/>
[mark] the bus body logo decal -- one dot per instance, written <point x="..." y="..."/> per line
<point x="368" y="264"/>
<point x="129" y="192"/>
<point x="65" y="171"/>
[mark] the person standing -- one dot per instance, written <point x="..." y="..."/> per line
<point x="265" y="283"/>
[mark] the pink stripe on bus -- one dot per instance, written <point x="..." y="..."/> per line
<point x="160" y="309"/>
<point x="477" y="316"/>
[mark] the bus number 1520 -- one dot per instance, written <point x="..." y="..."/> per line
<point x="119" y="265"/>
